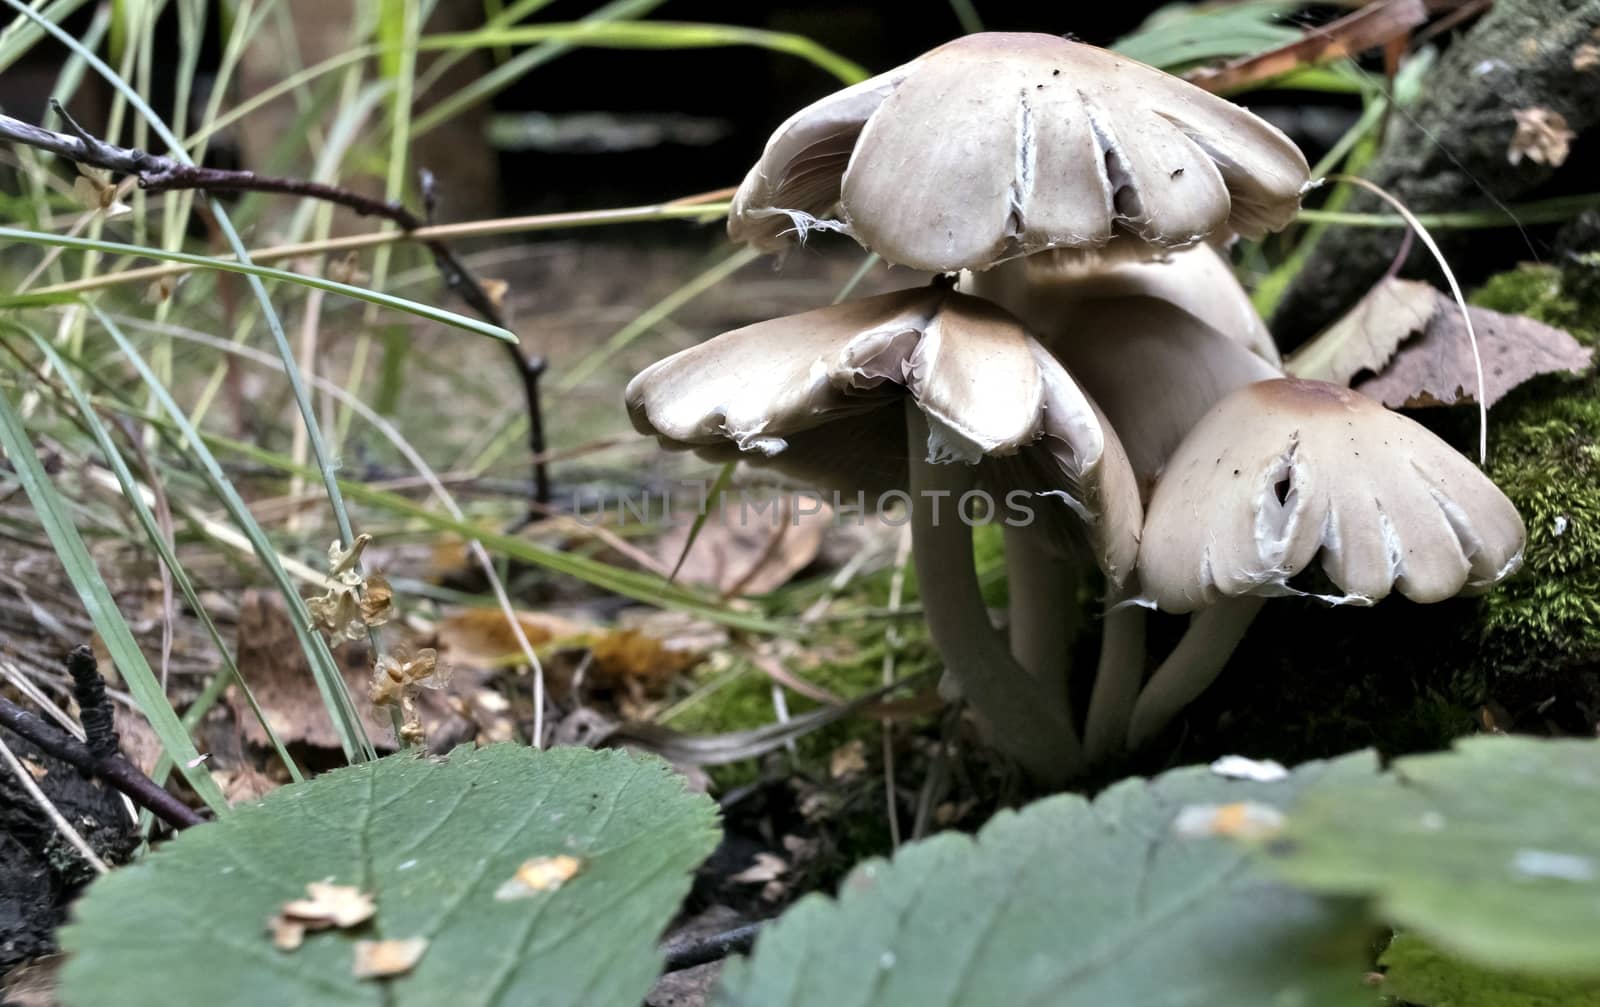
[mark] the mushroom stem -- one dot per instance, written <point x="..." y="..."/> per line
<point x="1116" y="681"/>
<point x="1044" y="611"/>
<point x="1193" y="665"/>
<point x="1023" y="717"/>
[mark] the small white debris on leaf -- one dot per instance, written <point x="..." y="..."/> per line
<point x="197" y="760"/>
<point x="325" y="905"/>
<point x="1237" y="767"/>
<point x="540" y="874"/>
<point x="1542" y="137"/>
<point x="1239" y="820"/>
<point x="1558" y="866"/>
<point x="380" y="959"/>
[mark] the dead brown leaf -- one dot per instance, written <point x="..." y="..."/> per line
<point x="1542" y="137"/>
<point x="270" y="659"/>
<point x="1586" y="57"/>
<point x="1368" y="335"/>
<point x="735" y="556"/>
<point x="1412" y="337"/>
<point x="379" y="959"/>
<point x="1436" y="369"/>
<point x="767" y="867"/>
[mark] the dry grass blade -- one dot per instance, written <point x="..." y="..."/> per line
<point x="1368" y="28"/>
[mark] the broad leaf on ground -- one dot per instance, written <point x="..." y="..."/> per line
<point x="1489" y="851"/>
<point x="1072" y="903"/>
<point x="444" y="847"/>
<point x="1417" y="974"/>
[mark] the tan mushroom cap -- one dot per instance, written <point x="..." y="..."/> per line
<point x="1048" y="290"/>
<point x="1286" y="473"/>
<point x="1002" y="144"/>
<point x="828" y="384"/>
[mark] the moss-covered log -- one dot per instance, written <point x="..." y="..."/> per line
<point x="1448" y="152"/>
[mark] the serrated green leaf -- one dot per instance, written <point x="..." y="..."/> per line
<point x="1489" y="851"/>
<point x="1069" y="903"/>
<point x="1417" y="974"/>
<point x="432" y="840"/>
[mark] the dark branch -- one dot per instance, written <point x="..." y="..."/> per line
<point x="687" y="954"/>
<point x="116" y="770"/>
<point x="157" y="174"/>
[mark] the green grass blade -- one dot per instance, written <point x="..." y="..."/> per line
<point x="518" y="66"/>
<point x="325" y="670"/>
<point x="152" y="530"/>
<point x="252" y="270"/>
<point x="653" y="35"/>
<point x="102" y="609"/>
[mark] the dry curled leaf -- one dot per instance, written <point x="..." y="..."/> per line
<point x="1586" y="57"/>
<point x="539" y="874"/>
<point x="1411" y="337"/>
<point x="1436" y="369"/>
<point x="380" y="959"/>
<point x="1542" y="136"/>
<point x="353" y="603"/>
<point x="95" y="191"/>
<point x="347" y="269"/>
<point x="767" y="867"/>
<point x="1366" y="337"/>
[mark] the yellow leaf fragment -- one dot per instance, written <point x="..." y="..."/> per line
<point x="379" y="959"/>
<point x="1239" y="820"/>
<point x="540" y="874"/>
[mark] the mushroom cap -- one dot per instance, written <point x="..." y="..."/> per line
<point x="1002" y="144"/>
<point x="1156" y="370"/>
<point x="819" y="383"/>
<point x="1048" y="290"/>
<point x="1288" y="472"/>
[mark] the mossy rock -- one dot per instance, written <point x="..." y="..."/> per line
<point x="1311" y="681"/>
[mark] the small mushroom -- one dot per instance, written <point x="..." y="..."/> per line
<point x="1005" y="144"/>
<point x="1288" y="474"/>
<point x="979" y="400"/>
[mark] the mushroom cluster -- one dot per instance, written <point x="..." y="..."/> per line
<point x="1086" y="347"/>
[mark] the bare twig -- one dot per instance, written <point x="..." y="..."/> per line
<point x="687" y="954"/>
<point x="157" y="174"/>
<point x="116" y="770"/>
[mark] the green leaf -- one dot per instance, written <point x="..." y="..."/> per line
<point x="1070" y="903"/>
<point x="432" y="840"/>
<point x="1488" y="851"/>
<point x="1417" y="974"/>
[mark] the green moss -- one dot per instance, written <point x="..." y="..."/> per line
<point x="1545" y="455"/>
